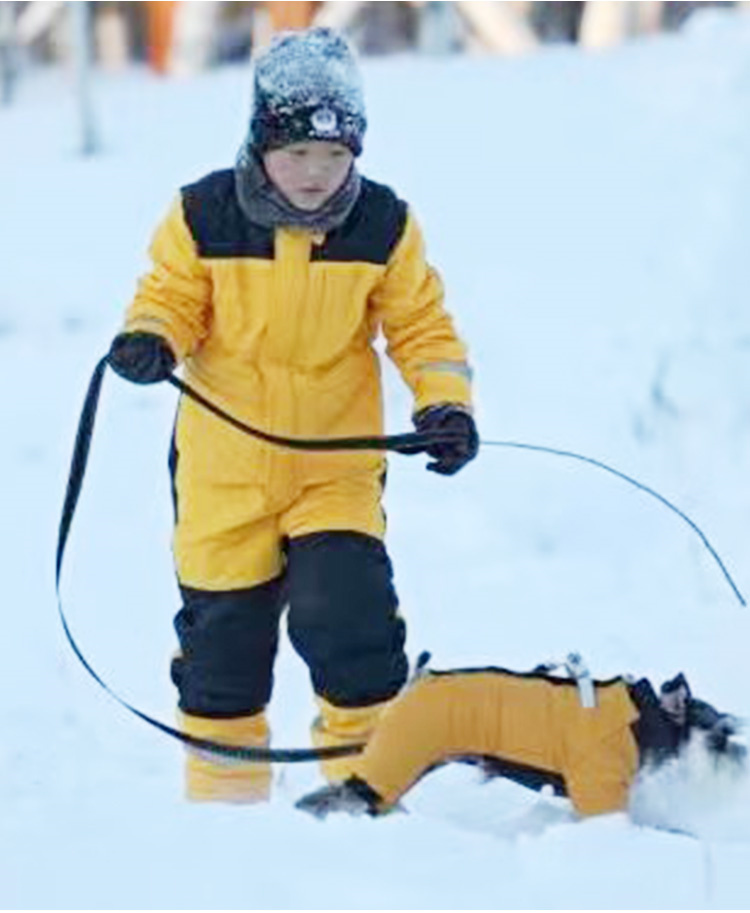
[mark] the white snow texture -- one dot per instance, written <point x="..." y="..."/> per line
<point x="590" y="215"/>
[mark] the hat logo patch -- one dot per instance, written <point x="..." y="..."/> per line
<point x="324" y="121"/>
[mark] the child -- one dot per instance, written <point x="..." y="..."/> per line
<point x="531" y="728"/>
<point x="270" y="282"/>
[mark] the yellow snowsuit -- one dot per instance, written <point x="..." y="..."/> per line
<point x="278" y="329"/>
<point x="533" y="722"/>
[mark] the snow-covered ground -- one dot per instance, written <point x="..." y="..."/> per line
<point x="591" y="217"/>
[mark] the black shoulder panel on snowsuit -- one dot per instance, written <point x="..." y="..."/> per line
<point x="219" y="227"/>
<point x="221" y="230"/>
<point x="371" y="231"/>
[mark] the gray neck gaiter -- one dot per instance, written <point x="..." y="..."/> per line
<point x="265" y="205"/>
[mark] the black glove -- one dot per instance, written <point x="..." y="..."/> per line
<point x="143" y="358"/>
<point x="449" y="456"/>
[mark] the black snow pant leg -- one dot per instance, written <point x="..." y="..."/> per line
<point x="228" y="642"/>
<point x="343" y="617"/>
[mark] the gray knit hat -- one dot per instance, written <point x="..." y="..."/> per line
<point x="307" y="87"/>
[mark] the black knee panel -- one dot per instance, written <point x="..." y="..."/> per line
<point x="343" y="617"/>
<point x="228" y="642"/>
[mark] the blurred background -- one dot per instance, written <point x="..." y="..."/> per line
<point x="178" y="38"/>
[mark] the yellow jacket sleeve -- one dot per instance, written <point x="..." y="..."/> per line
<point x="174" y="298"/>
<point x="422" y="341"/>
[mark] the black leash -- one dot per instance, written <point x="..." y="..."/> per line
<point x="411" y="443"/>
<point x="641" y="487"/>
<point x="416" y="443"/>
<point x="401" y="443"/>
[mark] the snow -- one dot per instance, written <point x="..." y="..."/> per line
<point x="310" y="69"/>
<point x="590" y="215"/>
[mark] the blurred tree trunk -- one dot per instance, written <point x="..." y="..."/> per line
<point x="194" y="36"/>
<point x="270" y="18"/>
<point x="501" y="27"/>
<point x="7" y="53"/>
<point x="79" y="15"/>
<point x="439" y="28"/>
<point x="385" y="27"/>
<point x="36" y="19"/>
<point x="605" y="23"/>
<point x="288" y="16"/>
<point x="649" y="17"/>
<point x="338" y="16"/>
<point x="159" y="32"/>
<point x="112" y="35"/>
<point x="556" y="22"/>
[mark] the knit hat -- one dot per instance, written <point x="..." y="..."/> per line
<point x="307" y="87"/>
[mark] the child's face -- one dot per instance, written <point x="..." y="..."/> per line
<point x="308" y="173"/>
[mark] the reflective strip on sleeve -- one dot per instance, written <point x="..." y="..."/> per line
<point x="459" y="368"/>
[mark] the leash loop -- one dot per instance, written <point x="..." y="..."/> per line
<point x="79" y="460"/>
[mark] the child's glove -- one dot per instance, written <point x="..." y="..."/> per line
<point x="143" y="358"/>
<point x="449" y="456"/>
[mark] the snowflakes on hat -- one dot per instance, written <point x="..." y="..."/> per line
<point x="307" y="86"/>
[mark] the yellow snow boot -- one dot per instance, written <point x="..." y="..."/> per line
<point x="213" y="778"/>
<point x="342" y="726"/>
